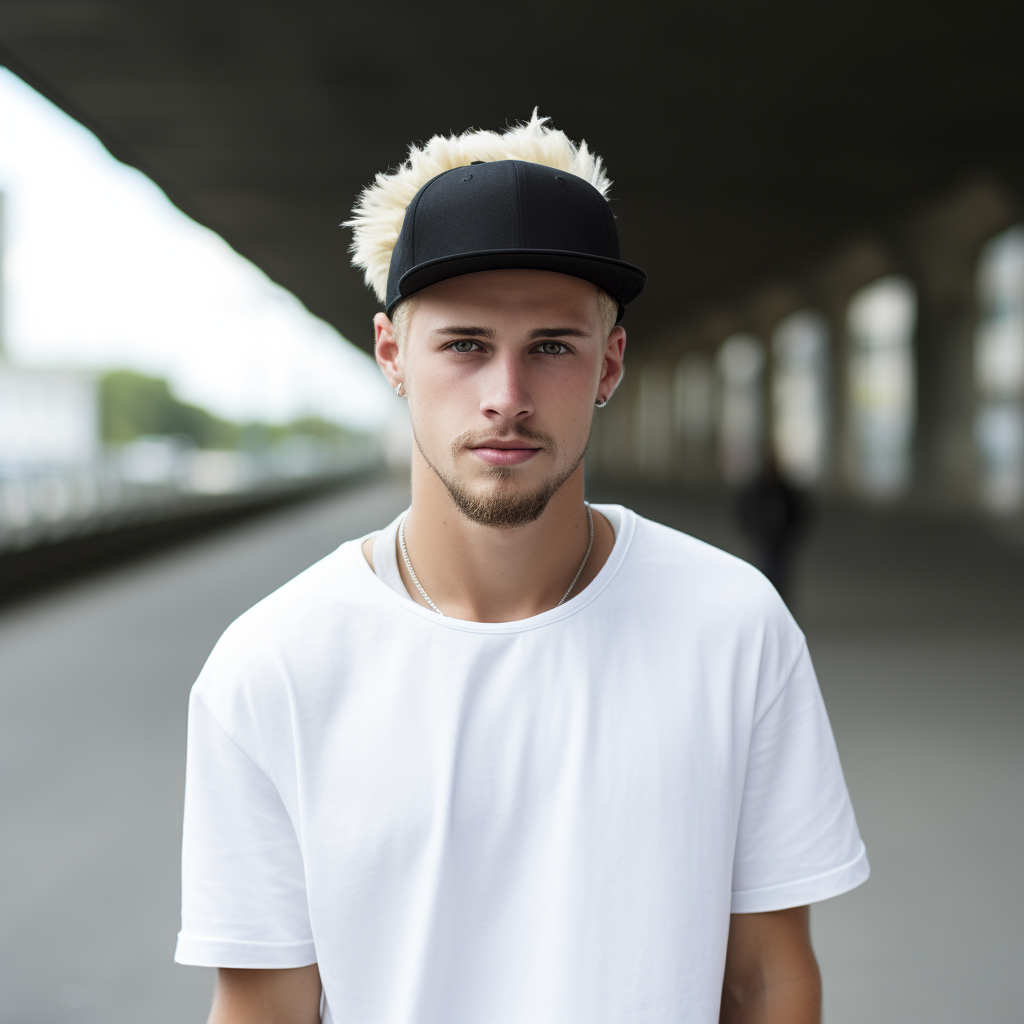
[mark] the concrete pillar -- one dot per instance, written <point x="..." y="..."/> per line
<point x="672" y="422"/>
<point x="942" y="247"/>
<point x="653" y="421"/>
<point x="830" y="289"/>
<point x="767" y="307"/>
<point x="707" y="333"/>
<point x="693" y="398"/>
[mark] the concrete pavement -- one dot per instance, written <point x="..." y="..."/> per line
<point x="93" y="682"/>
<point x="916" y="629"/>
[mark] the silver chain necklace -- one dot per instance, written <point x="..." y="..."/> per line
<point x="426" y="596"/>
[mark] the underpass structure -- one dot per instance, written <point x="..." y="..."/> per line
<point x="767" y="161"/>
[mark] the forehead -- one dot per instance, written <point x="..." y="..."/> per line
<point x="508" y="295"/>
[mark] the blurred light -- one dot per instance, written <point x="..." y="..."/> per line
<point x="881" y="320"/>
<point x="800" y="406"/>
<point x="999" y="371"/>
<point x="740" y="364"/>
<point x="999" y="432"/>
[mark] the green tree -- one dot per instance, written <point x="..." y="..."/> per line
<point x="133" y="405"/>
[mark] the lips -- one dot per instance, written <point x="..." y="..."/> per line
<point x="505" y="445"/>
<point x="504" y="453"/>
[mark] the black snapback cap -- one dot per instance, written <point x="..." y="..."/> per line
<point x="509" y="215"/>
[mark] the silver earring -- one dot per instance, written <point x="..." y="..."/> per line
<point x="400" y="390"/>
<point x="601" y="403"/>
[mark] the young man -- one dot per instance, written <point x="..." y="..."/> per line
<point x="513" y="759"/>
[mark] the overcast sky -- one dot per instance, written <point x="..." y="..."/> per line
<point x="103" y="271"/>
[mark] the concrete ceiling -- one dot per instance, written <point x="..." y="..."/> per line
<point x="744" y="138"/>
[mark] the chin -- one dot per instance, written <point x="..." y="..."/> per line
<point x="500" y="497"/>
<point x="504" y="499"/>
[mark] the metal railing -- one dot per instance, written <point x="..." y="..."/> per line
<point x="132" y="486"/>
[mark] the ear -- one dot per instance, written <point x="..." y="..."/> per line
<point x="611" y="366"/>
<point x="386" y="350"/>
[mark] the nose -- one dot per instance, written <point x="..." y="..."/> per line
<point x="506" y="395"/>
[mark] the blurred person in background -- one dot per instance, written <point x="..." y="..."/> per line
<point x="511" y="759"/>
<point x="775" y="515"/>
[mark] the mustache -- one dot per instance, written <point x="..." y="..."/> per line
<point x="532" y="438"/>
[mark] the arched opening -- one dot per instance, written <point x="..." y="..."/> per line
<point x="800" y="405"/>
<point x="880" y="320"/>
<point x="999" y="371"/>
<point x="740" y="407"/>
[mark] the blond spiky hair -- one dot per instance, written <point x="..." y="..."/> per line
<point x="380" y="209"/>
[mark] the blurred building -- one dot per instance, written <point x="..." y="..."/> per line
<point x="49" y="420"/>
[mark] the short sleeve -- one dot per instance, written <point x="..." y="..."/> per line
<point x="797" y="840"/>
<point x="243" y="886"/>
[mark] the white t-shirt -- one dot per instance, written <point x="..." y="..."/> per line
<point x="536" y="822"/>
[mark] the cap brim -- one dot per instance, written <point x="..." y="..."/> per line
<point x="622" y="281"/>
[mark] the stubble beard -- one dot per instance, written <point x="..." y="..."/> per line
<point x="503" y="507"/>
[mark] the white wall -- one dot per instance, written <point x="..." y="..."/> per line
<point x="48" y="419"/>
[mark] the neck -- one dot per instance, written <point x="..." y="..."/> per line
<point x="485" y="574"/>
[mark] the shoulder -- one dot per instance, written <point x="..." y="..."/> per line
<point x="680" y="566"/>
<point x="694" y="592"/>
<point x="322" y="590"/>
<point x="285" y="639"/>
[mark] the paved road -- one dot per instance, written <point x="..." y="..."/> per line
<point x="916" y="630"/>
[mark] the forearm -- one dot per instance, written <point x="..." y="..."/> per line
<point x="771" y="974"/>
<point x="795" y="1000"/>
<point x="267" y="996"/>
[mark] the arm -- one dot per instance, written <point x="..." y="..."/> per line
<point x="771" y="976"/>
<point x="267" y="997"/>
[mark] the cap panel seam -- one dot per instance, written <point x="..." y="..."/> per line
<point x="411" y="213"/>
<point x="513" y="203"/>
<point x="524" y="196"/>
<point x="414" y="207"/>
<point x="613" y="234"/>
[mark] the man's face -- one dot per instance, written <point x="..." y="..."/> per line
<point x="502" y="369"/>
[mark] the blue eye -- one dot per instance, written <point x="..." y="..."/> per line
<point x="554" y="348"/>
<point x="463" y="347"/>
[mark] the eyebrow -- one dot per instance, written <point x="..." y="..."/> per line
<point x="558" y="332"/>
<point x="488" y="332"/>
<point x="462" y="332"/>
